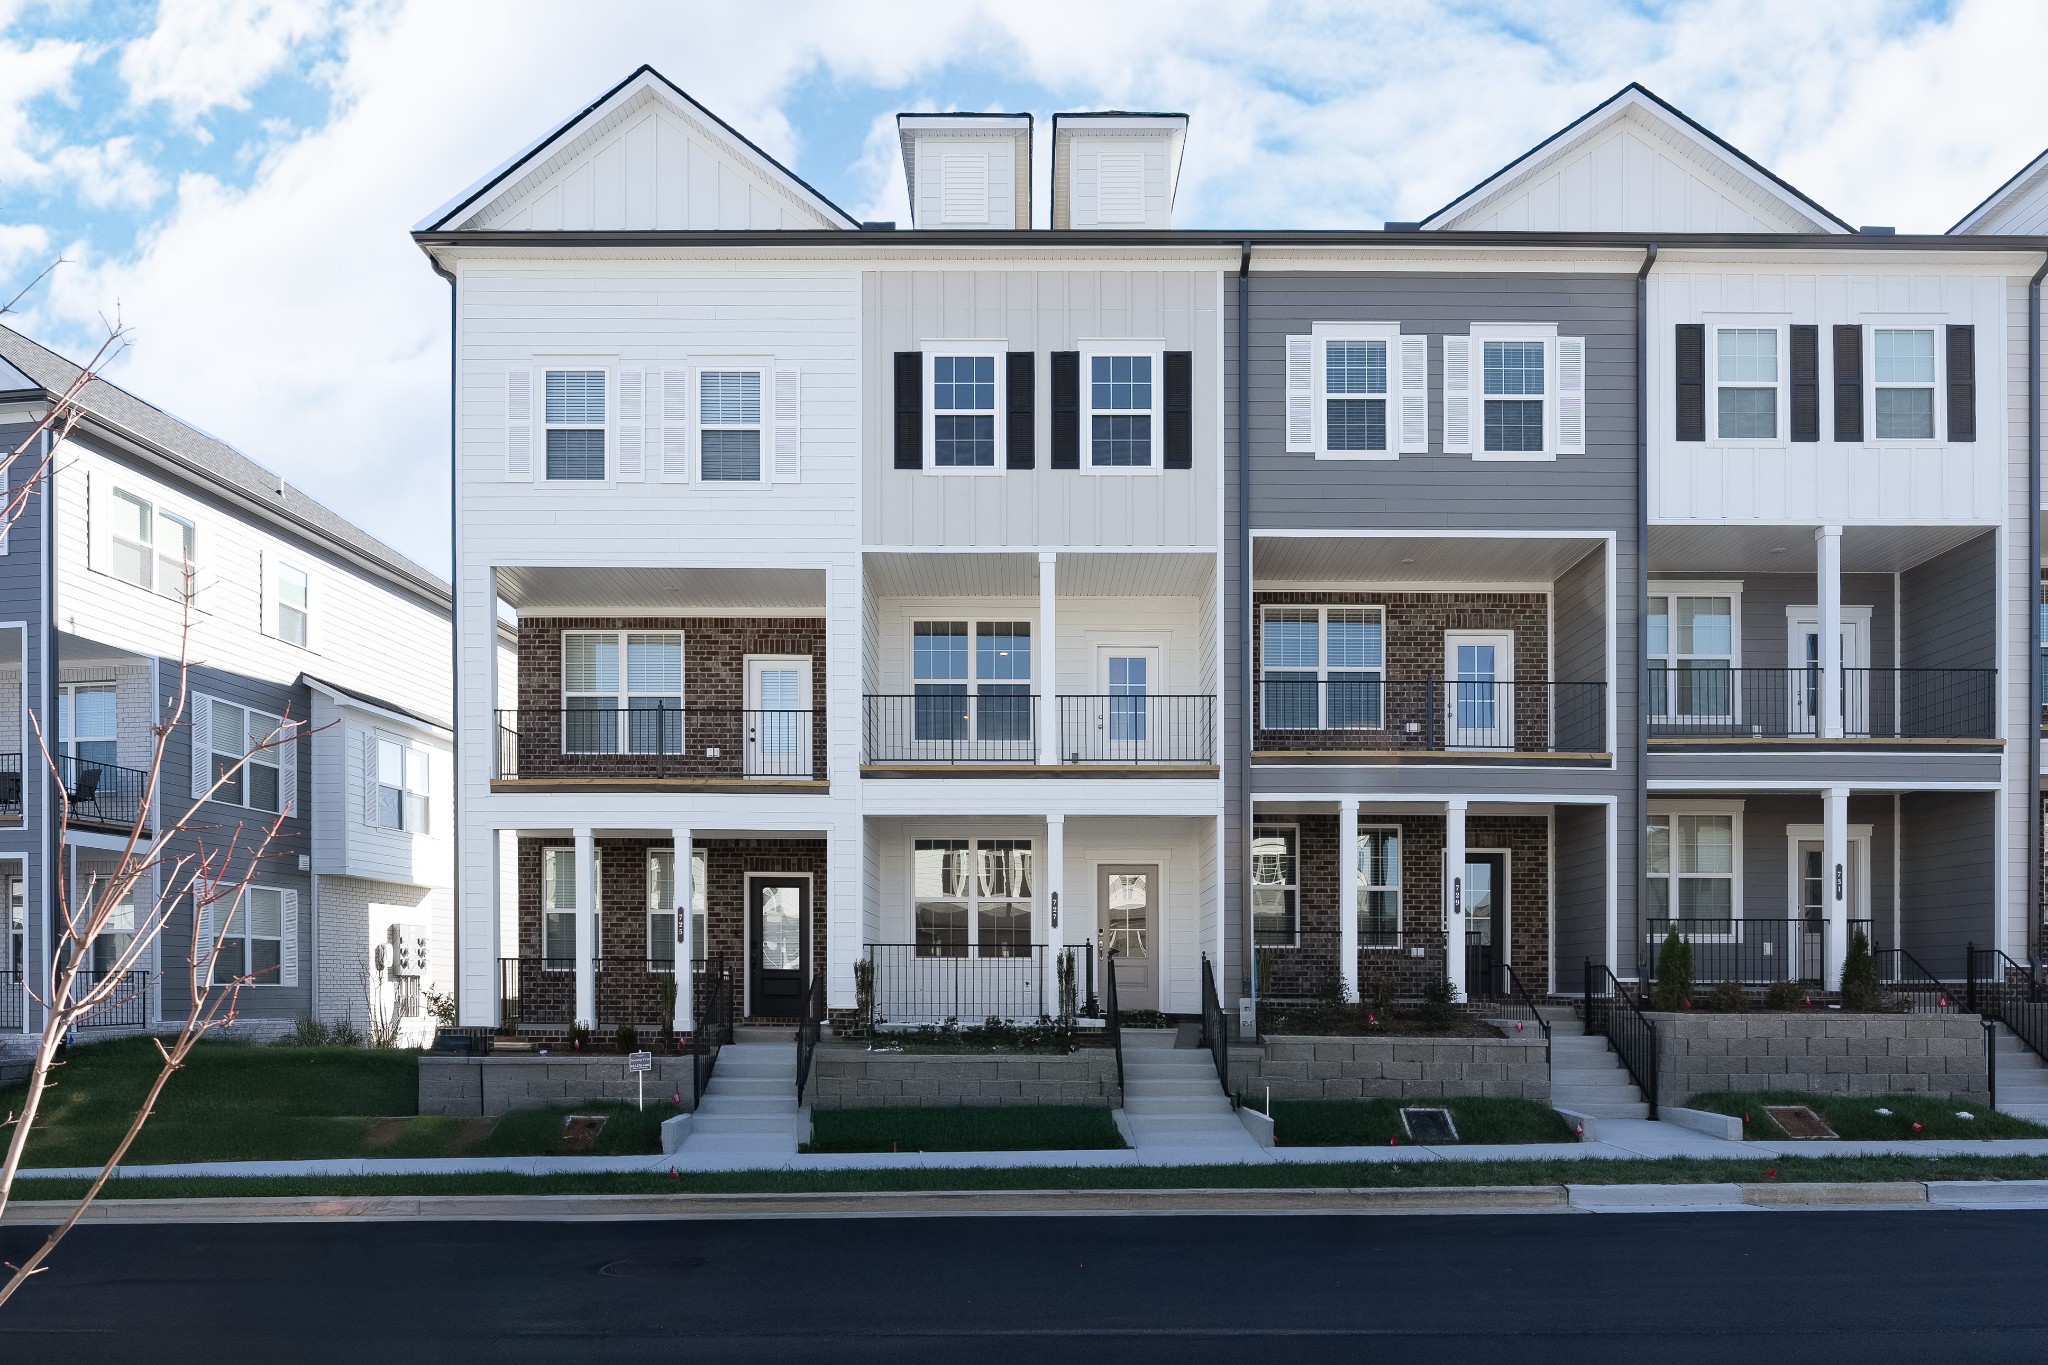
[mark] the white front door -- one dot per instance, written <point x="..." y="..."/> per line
<point x="1803" y="656"/>
<point x="1125" y="718"/>
<point x="778" y="719"/>
<point x="1479" y="689"/>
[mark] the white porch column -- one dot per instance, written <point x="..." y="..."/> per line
<point x="1828" y="546"/>
<point x="1454" y="896"/>
<point x="686" y="942"/>
<point x="586" y="928"/>
<point x="1055" y="925"/>
<point x="1834" y="891"/>
<point x="1347" y="896"/>
<point x="1044" y="674"/>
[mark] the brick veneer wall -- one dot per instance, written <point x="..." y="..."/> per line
<point x="715" y="651"/>
<point x="1821" y="1052"/>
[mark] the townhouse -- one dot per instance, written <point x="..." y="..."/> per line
<point x="911" y="616"/>
<point x="299" y="622"/>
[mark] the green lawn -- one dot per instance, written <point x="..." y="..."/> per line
<point x="1017" y="1128"/>
<point x="1373" y="1123"/>
<point x="1858" y="1119"/>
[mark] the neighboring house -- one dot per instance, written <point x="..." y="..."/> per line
<point x="1633" y="540"/>
<point x="298" y="618"/>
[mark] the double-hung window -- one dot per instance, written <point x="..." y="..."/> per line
<point x="972" y="896"/>
<point x="1512" y="395"/>
<point x="148" y="546"/>
<point x="558" y="909"/>
<point x="292" y="605"/>
<point x="729" y="426"/>
<point x="1691" y="872"/>
<point x="401" y="786"/>
<point x="963" y="411"/>
<point x="1746" y="383"/>
<point x="972" y="681"/>
<point x="661" y="907"/>
<point x="1690" y="651"/>
<point x="622" y="692"/>
<point x="1379" y="887"/>
<point x="1122" y="411"/>
<point x="1903" y="387"/>
<point x="1354" y="395"/>
<point x="1322" y="668"/>
<point x="575" y="412"/>
<point x="237" y="732"/>
<point x="252" y="948"/>
<point x="1276" y="888"/>
<point x="85" y="725"/>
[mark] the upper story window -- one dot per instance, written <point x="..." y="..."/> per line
<point x="729" y="426"/>
<point x="401" y="786"/>
<point x="575" y="413"/>
<point x="963" y="411"/>
<point x="987" y="660"/>
<point x="236" y="732"/>
<point x="1322" y="667"/>
<point x="622" y="692"/>
<point x="1275" y="884"/>
<point x="1512" y="394"/>
<point x="1355" y="395"/>
<point x="1903" y="383"/>
<point x="291" y="607"/>
<point x="1690" y="650"/>
<point x="1746" y="383"/>
<point x="1120" y="411"/>
<point x="85" y="724"/>
<point x="151" y="547"/>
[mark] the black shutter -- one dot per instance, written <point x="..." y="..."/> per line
<point x="910" y="409"/>
<point x="1180" y="410"/>
<point x="1066" y="409"/>
<point x="1962" y="383"/>
<point x="1805" y="383"/>
<point x="1848" y="383"/>
<point x="1022" y="433"/>
<point x="1692" y="381"/>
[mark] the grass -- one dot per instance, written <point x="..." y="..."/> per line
<point x="1858" y="1120"/>
<point x="1374" y="1123"/>
<point x="1016" y="1128"/>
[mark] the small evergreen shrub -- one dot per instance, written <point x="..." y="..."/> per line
<point x="1438" y="1004"/>
<point x="1674" y="972"/>
<point x="1784" y="995"/>
<point x="1728" y="998"/>
<point x="1860" y="990"/>
<point x="627" y="1038"/>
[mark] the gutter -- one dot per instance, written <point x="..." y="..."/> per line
<point x="1248" y="987"/>
<point x="2034" y="931"/>
<point x="52" y="841"/>
<point x="455" y="655"/>
<point x="1640" y="835"/>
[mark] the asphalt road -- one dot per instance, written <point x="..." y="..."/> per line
<point x="1796" y="1287"/>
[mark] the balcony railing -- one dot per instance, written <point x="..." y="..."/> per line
<point x="1750" y="952"/>
<point x="101" y="793"/>
<point x="126" y="1007"/>
<point x="951" y="727"/>
<point x="13" y="1000"/>
<point x="1137" y="729"/>
<point x="660" y="742"/>
<point x="1431" y="715"/>
<point x="1706" y="701"/>
<point x="919" y="984"/>
<point x="10" y="786"/>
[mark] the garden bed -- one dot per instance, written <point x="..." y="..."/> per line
<point x="1360" y="1021"/>
<point x="1857" y="1120"/>
<point x="1014" y="1128"/>
<point x="1377" y="1123"/>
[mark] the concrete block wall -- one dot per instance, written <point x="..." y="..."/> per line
<point x="1326" y="1068"/>
<point x="1820" y="1052"/>
<point x="848" y="1076"/>
<point x="489" y="1086"/>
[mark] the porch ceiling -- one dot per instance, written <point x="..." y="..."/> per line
<point x="1709" y="551"/>
<point x="1416" y="559"/>
<point x="1079" y="574"/>
<point x="661" y="591"/>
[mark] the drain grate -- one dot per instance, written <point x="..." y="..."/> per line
<point x="1429" y="1125"/>
<point x="1798" y="1121"/>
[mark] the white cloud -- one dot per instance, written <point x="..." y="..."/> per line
<point x="109" y="174"/>
<point x="205" y="54"/>
<point x="28" y="72"/>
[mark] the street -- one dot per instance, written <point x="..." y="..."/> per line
<point x="1813" y="1287"/>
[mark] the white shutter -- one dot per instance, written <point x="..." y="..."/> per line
<point x="288" y="767"/>
<point x="1414" y="393"/>
<point x="788" y="429"/>
<point x="203" y="929"/>
<point x="199" y="710"/>
<point x="1457" y="395"/>
<point x="675" y="425"/>
<point x="1571" y="395"/>
<point x="519" y="425"/>
<point x="288" y="950"/>
<point x="266" y="597"/>
<point x="1301" y="402"/>
<point x="370" y="779"/>
<point x="632" y="424"/>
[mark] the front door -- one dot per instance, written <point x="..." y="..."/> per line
<point x="1127" y="911"/>
<point x="1479" y="671"/>
<point x="778" y="716"/>
<point x="1811" y="887"/>
<point x="1486" y="921"/>
<point x="1804" y="657"/>
<point x="778" y="912"/>
<point x="1125" y="723"/>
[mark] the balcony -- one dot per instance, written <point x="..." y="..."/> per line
<point x="101" y="795"/>
<point x="10" y="786"/>
<point x="1430" y="715"/>
<point x="1002" y="728"/>
<point x="1707" y="702"/>
<point x="937" y="983"/>
<point x="659" y="744"/>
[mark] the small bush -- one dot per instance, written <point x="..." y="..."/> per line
<point x="1728" y="998"/>
<point x="440" y="1008"/>
<point x="1674" y="972"/>
<point x="1784" y="995"/>
<point x="1439" y="1006"/>
<point x="310" y="1032"/>
<point x="1860" y="990"/>
<point x="579" y="1037"/>
<point x="627" y="1038"/>
<point x="1380" y="994"/>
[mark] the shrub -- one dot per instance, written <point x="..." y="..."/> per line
<point x="1729" y="998"/>
<point x="666" y="989"/>
<point x="1784" y="995"/>
<point x="1380" y="994"/>
<point x="1674" y="972"/>
<point x="1438" y="1004"/>
<point x="441" y="1008"/>
<point x="863" y="998"/>
<point x="1860" y="990"/>
<point x="627" y="1038"/>
<point x="579" y="1037"/>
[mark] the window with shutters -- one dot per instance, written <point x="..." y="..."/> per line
<point x="1512" y="397"/>
<point x="622" y="692"/>
<point x="1121" y="424"/>
<point x="1355" y="395"/>
<point x="149" y="545"/>
<point x="1749" y="381"/>
<point x="252" y="945"/>
<point x="401" y="786"/>
<point x="962" y="430"/>
<point x="573" y="408"/>
<point x="291" y="604"/>
<point x="729" y="425"/>
<point x="237" y="733"/>
<point x="1902" y="383"/>
<point x="1363" y="391"/>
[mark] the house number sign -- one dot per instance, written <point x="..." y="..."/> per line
<point x="1053" y="903"/>
<point x="1838" y="881"/>
<point x="1457" y="895"/>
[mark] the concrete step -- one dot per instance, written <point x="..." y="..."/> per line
<point x="703" y="1122"/>
<point x="724" y="1084"/>
<point x="1588" y="1082"/>
<point x="1604" y="1109"/>
<point x="717" y="1101"/>
<point x="1192" y="1085"/>
<point x="1176" y="1104"/>
<point x="1187" y="1125"/>
<point x="1588" y="1066"/>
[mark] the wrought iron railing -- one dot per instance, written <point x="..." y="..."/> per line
<point x="1750" y="952"/>
<point x="102" y="793"/>
<point x="13" y="1000"/>
<point x="1707" y="701"/>
<point x="712" y="1031"/>
<point x="944" y="983"/>
<point x="808" y="1029"/>
<point x="659" y="742"/>
<point x="1500" y="994"/>
<point x="1430" y="715"/>
<point x="1611" y="1012"/>
<point x="950" y="727"/>
<point x="1906" y="976"/>
<point x="10" y="785"/>
<point x="2011" y="993"/>
<point x="1112" y="1020"/>
<point x="1215" y="1033"/>
<point x="1137" y="729"/>
<point x="126" y="1007"/>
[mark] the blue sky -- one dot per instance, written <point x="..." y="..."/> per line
<point x="237" y="176"/>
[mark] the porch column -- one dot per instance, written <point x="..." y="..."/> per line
<point x="1347" y="896"/>
<point x="1828" y="547"/>
<point x="1045" y="675"/>
<point x="586" y="928"/>
<point x="686" y="943"/>
<point x="1454" y="895"/>
<point x="1055" y="929"/>
<point x="1835" y="884"/>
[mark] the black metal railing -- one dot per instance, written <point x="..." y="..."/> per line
<point x="1500" y="994"/>
<point x="1704" y="701"/>
<point x="950" y="727"/>
<point x="10" y="785"/>
<point x="2012" y="994"/>
<point x="13" y="1000"/>
<point x="1750" y="952"/>
<point x="659" y="742"/>
<point x="1137" y="729"/>
<point x="508" y="995"/>
<point x="1906" y="976"/>
<point x="1612" y="1013"/>
<point x="1215" y="1032"/>
<point x="808" y="1029"/>
<point x="1306" y="966"/>
<point x="126" y="1007"/>
<point x="540" y="992"/>
<point x="947" y="983"/>
<point x="712" y="1030"/>
<point x="1430" y="714"/>
<point x="101" y="793"/>
<point x="1112" y="1019"/>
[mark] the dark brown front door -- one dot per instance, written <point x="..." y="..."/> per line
<point x="778" y="916"/>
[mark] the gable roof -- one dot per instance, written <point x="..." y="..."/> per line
<point x="194" y="454"/>
<point x="1640" y="164"/>
<point x="2020" y="205"/>
<point x="610" y="121"/>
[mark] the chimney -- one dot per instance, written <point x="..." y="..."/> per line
<point x="1115" y="170"/>
<point x="967" y="170"/>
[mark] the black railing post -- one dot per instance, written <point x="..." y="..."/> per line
<point x="1431" y="724"/>
<point x="1991" y="1061"/>
<point x="1970" y="978"/>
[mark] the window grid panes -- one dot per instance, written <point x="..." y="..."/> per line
<point x="1355" y="387"/>
<point x="574" y="406"/>
<point x="964" y="411"/>
<point x="1120" y="411"/>
<point x="401" y="786"/>
<point x="1903" y="388"/>
<point x="1746" y="383"/>
<point x="729" y="426"/>
<point x="292" y="605"/>
<point x="622" y="692"/>
<point x="1690" y="650"/>
<point x="86" y="724"/>
<point x="558" y="909"/>
<point x="1512" y="389"/>
<point x="148" y="546"/>
<point x="252" y="945"/>
<point x="1379" y="887"/>
<point x="1275" y="884"/>
<point x="1322" y="668"/>
<point x="237" y="732"/>
<point x="972" y="897"/>
<point x="971" y="680"/>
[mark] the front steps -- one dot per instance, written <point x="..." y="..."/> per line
<point x="1585" y="1075"/>
<point x="1174" y="1108"/>
<point x="2022" y="1079"/>
<point x="748" y="1114"/>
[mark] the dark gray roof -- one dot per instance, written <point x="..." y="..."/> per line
<point x="25" y="364"/>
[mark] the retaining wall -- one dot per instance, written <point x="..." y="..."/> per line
<point x="848" y="1076"/>
<point x="1302" y="1067"/>
<point x="490" y="1086"/>
<point x="1820" y="1052"/>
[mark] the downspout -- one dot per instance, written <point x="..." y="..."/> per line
<point x="52" y="844"/>
<point x="1640" y="836"/>
<point x="1248" y="984"/>
<point x="455" y="657"/>
<point x="2034" y="610"/>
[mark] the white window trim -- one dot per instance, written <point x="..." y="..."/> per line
<point x="1323" y="667"/>
<point x="249" y="758"/>
<point x="1294" y="885"/>
<point x="760" y="365"/>
<point x="1872" y="324"/>
<point x="548" y="855"/>
<point x="999" y="352"/>
<point x="1730" y="588"/>
<point x="412" y="753"/>
<point x="972" y="899"/>
<point x="654" y="855"/>
<point x="923" y="617"/>
<point x="1157" y="351"/>
<point x="241" y="905"/>
<point x="1669" y="810"/>
<point x="67" y="734"/>
<point x="1397" y="886"/>
<point x="274" y="569"/>
<point x="1389" y="332"/>
<point x="544" y="366"/>
<point x="159" y="507"/>
<point x="625" y="692"/>
<point x="1546" y="334"/>
<point x="1783" y="385"/>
